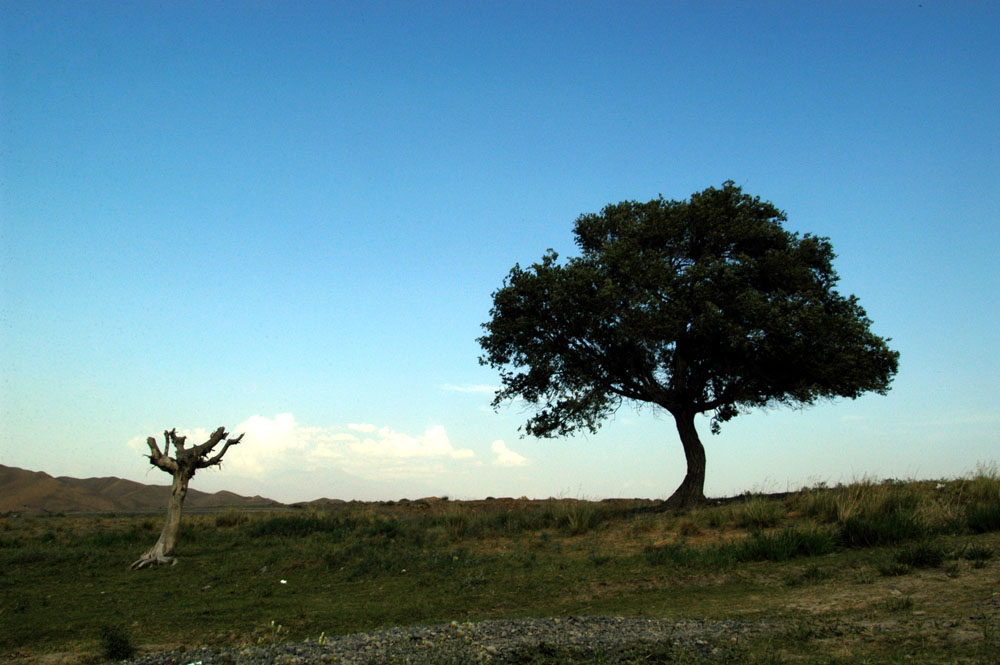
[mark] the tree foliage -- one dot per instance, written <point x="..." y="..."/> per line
<point x="700" y="306"/>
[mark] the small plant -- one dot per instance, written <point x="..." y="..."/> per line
<point x="975" y="553"/>
<point x="115" y="643"/>
<point x="920" y="555"/>
<point x="274" y="635"/>
<point x="898" y="603"/>
<point x="892" y="568"/>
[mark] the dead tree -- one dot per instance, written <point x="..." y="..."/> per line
<point x="182" y="466"/>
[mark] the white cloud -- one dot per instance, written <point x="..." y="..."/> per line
<point x="362" y="427"/>
<point x="277" y="445"/>
<point x="391" y="444"/>
<point x="505" y="456"/>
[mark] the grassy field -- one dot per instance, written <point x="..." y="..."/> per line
<point x="886" y="572"/>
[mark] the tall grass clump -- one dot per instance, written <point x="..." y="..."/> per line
<point x="758" y="512"/>
<point x="337" y="526"/>
<point x="579" y="517"/>
<point x="982" y="486"/>
<point x="869" y="514"/>
<point x="886" y="527"/>
<point x="677" y="554"/>
<point x="789" y="543"/>
<point x="984" y="518"/>
<point x="231" y="518"/>
<point x="981" y="493"/>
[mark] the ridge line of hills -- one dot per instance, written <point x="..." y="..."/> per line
<point x="38" y="492"/>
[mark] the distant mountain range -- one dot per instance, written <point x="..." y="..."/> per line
<point x="38" y="492"/>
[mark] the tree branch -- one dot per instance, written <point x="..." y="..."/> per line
<point x="202" y="463"/>
<point x="158" y="459"/>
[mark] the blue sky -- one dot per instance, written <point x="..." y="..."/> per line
<point x="288" y="218"/>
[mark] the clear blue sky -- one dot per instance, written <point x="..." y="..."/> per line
<point x="288" y="218"/>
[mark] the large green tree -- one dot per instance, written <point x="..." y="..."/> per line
<point x="706" y="305"/>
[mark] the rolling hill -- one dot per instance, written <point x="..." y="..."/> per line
<point x="38" y="492"/>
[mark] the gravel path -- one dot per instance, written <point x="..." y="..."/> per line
<point x="499" y="642"/>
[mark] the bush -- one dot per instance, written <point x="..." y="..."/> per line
<point x="115" y="643"/>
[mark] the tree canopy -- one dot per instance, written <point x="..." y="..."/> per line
<point x="706" y="305"/>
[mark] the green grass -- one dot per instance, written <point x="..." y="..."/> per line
<point x="66" y="584"/>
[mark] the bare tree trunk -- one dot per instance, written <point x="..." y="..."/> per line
<point x="162" y="552"/>
<point x="691" y="491"/>
<point x="182" y="467"/>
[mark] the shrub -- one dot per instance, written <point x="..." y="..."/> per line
<point x="115" y="643"/>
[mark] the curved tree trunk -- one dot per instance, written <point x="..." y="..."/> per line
<point x="161" y="553"/>
<point x="691" y="491"/>
<point x="182" y="466"/>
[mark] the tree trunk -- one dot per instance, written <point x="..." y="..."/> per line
<point x="691" y="491"/>
<point x="162" y="552"/>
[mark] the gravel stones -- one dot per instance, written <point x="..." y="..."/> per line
<point x="496" y="641"/>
